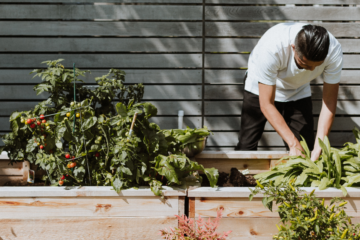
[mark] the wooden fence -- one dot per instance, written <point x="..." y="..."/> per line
<point x="190" y="54"/>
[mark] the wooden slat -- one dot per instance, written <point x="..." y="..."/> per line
<point x="5" y="163"/>
<point x="172" y="122"/>
<point x="101" y="1"/>
<point x="244" y="155"/>
<point x="237" y="77"/>
<point x="240" y="61"/>
<point x="104" y="12"/>
<point x="248" y="29"/>
<point x="282" y="1"/>
<point x="101" y="45"/>
<point x="151" y="92"/>
<point x="234" y="107"/>
<point x="243" y="208"/>
<point x="104" y="60"/>
<point x="273" y="139"/>
<point x="85" y="228"/>
<point x="233" y="123"/>
<point x="236" y="92"/>
<point x="92" y="191"/>
<point x="281" y="13"/>
<point x="88" y="207"/>
<point x="39" y="28"/>
<point x="132" y="76"/>
<point x="255" y="166"/>
<point x="248" y="44"/>
<point x="164" y="108"/>
<point x="173" y="107"/>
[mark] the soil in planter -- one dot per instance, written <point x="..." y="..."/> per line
<point x="235" y="179"/>
<point x="21" y="183"/>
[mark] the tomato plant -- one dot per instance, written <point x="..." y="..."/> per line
<point x="94" y="132"/>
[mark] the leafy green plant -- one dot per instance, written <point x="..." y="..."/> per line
<point x="338" y="168"/>
<point x="89" y="143"/>
<point x="304" y="216"/>
<point x="189" y="229"/>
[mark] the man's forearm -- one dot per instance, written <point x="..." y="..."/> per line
<point x="326" y="119"/>
<point x="277" y="121"/>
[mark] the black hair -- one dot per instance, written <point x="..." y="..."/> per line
<point x="313" y="43"/>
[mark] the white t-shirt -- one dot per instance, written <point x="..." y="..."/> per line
<point x="272" y="63"/>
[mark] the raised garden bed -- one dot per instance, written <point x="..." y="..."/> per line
<point x="87" y="212"/>
<point x="250" y="219"/>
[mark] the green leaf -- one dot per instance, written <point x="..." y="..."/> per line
<point x="324" y="183"/>
<point x="338" y="168"/>
<point x="121" y="109"/>
<point x="305" y="147"/>
<point x="14" y="116"/>
<point x="79" y="172"/>
<point x="212" y="174"/>
<point x="344" y="191"/>
<point x="14" y="127"/>
<point x="155" y="187"/>
<point x="117" y="184"/>
<point x="150" y="110"/>
<point x="126" y="170"/>
<point x="89" y="123"/>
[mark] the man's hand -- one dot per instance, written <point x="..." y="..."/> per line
<point x="296" y="149"/>
<point x="315" y="154"/>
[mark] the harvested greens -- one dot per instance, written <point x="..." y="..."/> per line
<point x="338" y="168"/>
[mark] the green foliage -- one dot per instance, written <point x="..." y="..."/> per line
<point x="338" y="168"/>
<point x="96" y="133"/>
<point x="306" y="217"/>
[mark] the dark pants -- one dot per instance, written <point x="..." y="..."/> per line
<point x="297" y="115"/>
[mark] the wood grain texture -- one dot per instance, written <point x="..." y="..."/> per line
<point x="191" y="207"/>
<point x="12" y="92"/>
<point x="235" y="107"/>
<point x="257" y="29"/>
<point x="248" y="44"/>
<point x="79" y="228"/>
<point x="233" y="123"/>
<point x="236" y="92"/>
<point x="121" y="61"/>
<point x="240" y="61"/>
<point x="337" y="139"/>
<point x="103" y="12"/>
<point x="101" y="45"/>
<point x="132" y="76"/>
<point x="142" y="29"/>
<point x="243" y="208"/>
<point x="88" y="207"/>
<point x="281" y="13"/>
<point x="255" y="166"/>
<point x="214" y="76"/>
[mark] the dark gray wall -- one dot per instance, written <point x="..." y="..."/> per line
<point x="190" y="54"/>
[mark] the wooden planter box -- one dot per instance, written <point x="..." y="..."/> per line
<point x="87" y="213"/>
<point x="251" y="220"/>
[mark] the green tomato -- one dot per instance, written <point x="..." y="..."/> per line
<point x="65" y="118"/>
<point x="99" y="139"/>
<point x="47" y="124"/>
<point x="22" y="120"/>
<point x="47" y="127"/>
<point x="97" y="142"/>
<point x="79" y="104"/>
<point x="72" y="104"/>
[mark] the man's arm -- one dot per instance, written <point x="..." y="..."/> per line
<point x="267" y="105"/>
<point x="327" y="114"/>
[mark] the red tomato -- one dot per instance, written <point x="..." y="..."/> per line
<point x="41" y="147"/>
<point x="97" y="154"/>
<point x="43" y="121"/>
<point x="32" y="125"/>
<point x="29" y="121"/>
<point x="62" y="177"/>
<point x="38" y="123"/>
<point x="73" y="164"/>
<point x="42" y="116"/>
<point x="67" y="155"/>
<point x="61" y="183"/>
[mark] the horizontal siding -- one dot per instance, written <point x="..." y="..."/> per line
<point x="26" y="44"/>
<point x="83" y="28"/>
<point x="19" y="76"/>
<point x="104" y="60"/>
<point x="103" y="12"/>
<point x="248" y="44"/>
<point x="257" y="29"/>
<point x="227" y="108"/>
<point x="281" y="13"/>
<point x="241" y="60"/>
<point x="214" y="76"/>
<point x="188" y="59"/>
